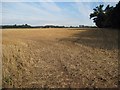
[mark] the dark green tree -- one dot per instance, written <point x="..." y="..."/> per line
<point x="109" y="17"/>
<point x="98" y="15"/>
<point x="101" y="17"/>
<point x="115" y="17"/>
<point x="108" y="13"/>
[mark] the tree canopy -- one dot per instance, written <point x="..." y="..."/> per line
<point x="108" y="17"/>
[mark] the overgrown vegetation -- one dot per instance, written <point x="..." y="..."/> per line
<point x="107" y="18"/>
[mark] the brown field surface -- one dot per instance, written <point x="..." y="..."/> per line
<point x="60" y="58"/>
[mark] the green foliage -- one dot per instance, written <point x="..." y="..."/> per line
<point x="115" y="16"/>
<point x="109" y="17"/>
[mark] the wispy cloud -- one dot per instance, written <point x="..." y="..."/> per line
<point x="41" y="13"/>
<point x="51" y="6"/>
<point x="60" y="0"/>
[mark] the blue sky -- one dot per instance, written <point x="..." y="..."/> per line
<point x="44" y="13"/>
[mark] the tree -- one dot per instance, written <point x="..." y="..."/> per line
<point x="115" y="17"/>
<point x="98" y="15"/>
<point x="109" y="17"/>
<point x="108" y="13"/>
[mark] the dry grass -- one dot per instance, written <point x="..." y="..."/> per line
<point x="60" y="58"/>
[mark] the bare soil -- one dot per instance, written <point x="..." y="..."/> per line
<point x="60" y="58"/>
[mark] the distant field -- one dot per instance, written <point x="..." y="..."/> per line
<point x="58" y="58"/>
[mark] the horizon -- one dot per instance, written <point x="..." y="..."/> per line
<point x="49" y="13"/>
<point x="43" y="25"/>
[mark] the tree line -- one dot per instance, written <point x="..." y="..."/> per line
<point x="108" y="17"/>
<point x="16" y="26"/>
<point x="29" y="26"/>
<point x="46" y="26"/>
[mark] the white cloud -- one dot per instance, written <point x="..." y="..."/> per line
<point x="45" y="13"/>
<point x="83" y="8"/>
<point x="50" y="6"/>
<point x="60" y="0"/>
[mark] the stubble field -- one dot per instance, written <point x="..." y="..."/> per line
<point x="60" y="58"/>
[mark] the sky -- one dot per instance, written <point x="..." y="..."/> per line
<point x="49" y="13"/>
